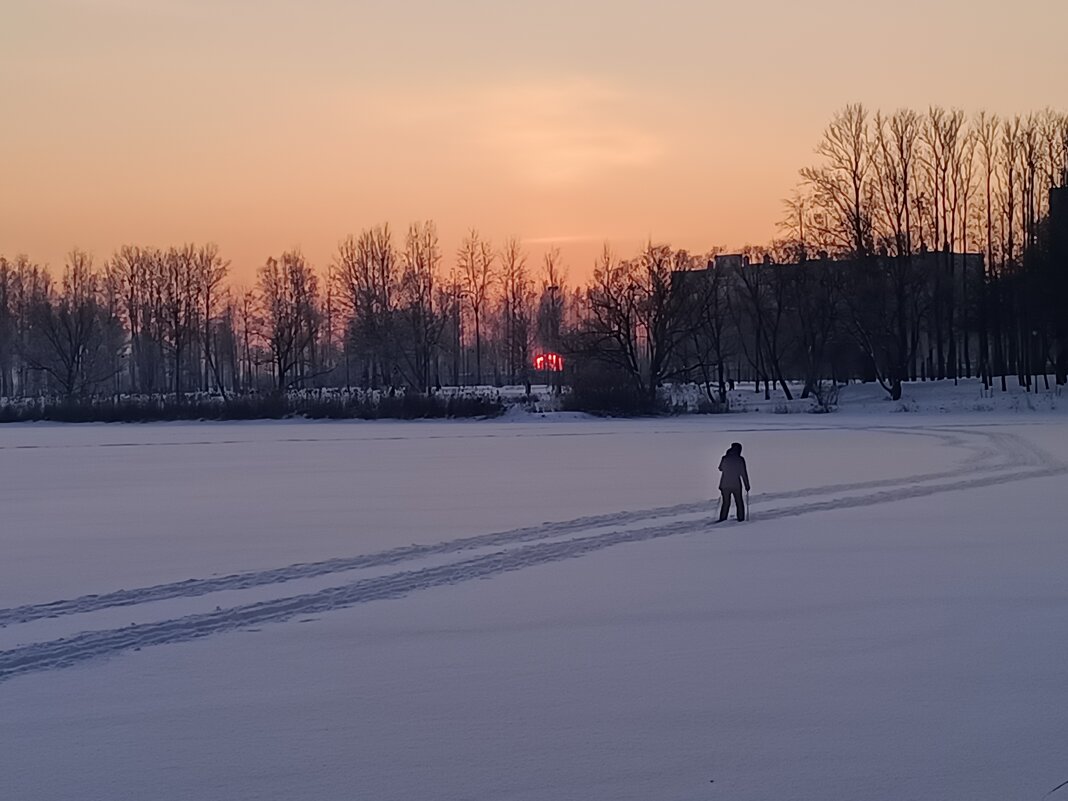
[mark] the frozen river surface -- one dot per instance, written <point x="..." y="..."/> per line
<point x="534" y="609"/>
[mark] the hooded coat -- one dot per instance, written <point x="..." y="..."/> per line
<point x="733" y="471"/>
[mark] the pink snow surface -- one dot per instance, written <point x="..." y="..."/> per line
<point x="382" y="611"/>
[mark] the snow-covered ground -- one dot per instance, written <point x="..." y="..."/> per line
<point x="535" y="608"/>
<point x="923" y="397"/>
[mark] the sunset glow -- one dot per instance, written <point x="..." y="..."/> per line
<point x="271" y="125"/>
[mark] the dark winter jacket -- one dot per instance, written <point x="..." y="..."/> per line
<point x="734" y="474"/>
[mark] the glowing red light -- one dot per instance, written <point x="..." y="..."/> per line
<point x="553" y="362"/>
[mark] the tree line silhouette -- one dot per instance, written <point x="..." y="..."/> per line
<point x="891" y="188"/>
<point x="385" y="315"/>
<point x="918" y="246"/>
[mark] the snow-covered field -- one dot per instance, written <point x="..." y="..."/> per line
<point x="535" y="608"/>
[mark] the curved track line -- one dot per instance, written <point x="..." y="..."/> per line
<point x="1013" y="452"/>
<point x="68" y="651"/>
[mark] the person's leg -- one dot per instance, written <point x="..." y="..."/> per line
<point x="725" y="505"/>
<point x="739" y="501"/>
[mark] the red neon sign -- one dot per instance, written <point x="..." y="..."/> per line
<point x="553" y="362"/>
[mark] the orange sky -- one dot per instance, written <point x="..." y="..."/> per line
<point x="263" y="125"/>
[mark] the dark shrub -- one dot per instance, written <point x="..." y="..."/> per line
<point x="333" y="406"/>
<point x="602" y="389"/>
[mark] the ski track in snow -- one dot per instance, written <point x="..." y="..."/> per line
<point x="998" y="458"/>
<point x="1007" y="447"/>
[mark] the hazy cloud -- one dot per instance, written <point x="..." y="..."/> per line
<point x="546" y="133"/>
<point x="561" y="133"/>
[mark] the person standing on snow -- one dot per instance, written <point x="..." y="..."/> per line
<point x="734" y="475"/>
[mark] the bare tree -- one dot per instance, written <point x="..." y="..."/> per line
<point x="476" y="261"/>
<point x="894" y="164"/>
<point x="248" y="323"/>
<point x="422" y="322"/>
<point x="517" y="302"/>
<point x="635" y="320"/>
<point x="7" y="328"/>
<point x="31" y="285"/>
<point x="179" y="307"/>
<point x="69" y="332"/>
<point x="451" y="305"/>
<point x="288" y="294"/>
<point x="839" y="185"/>
<point x="368" y="276"/>
<point x="141" y="276"/>
<point x="210" y="271"/>
<point x="943" y="139"/>
<point x="986" y="131"/>
<point x="709" y="341"/>
<point x="797" y="221"/>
